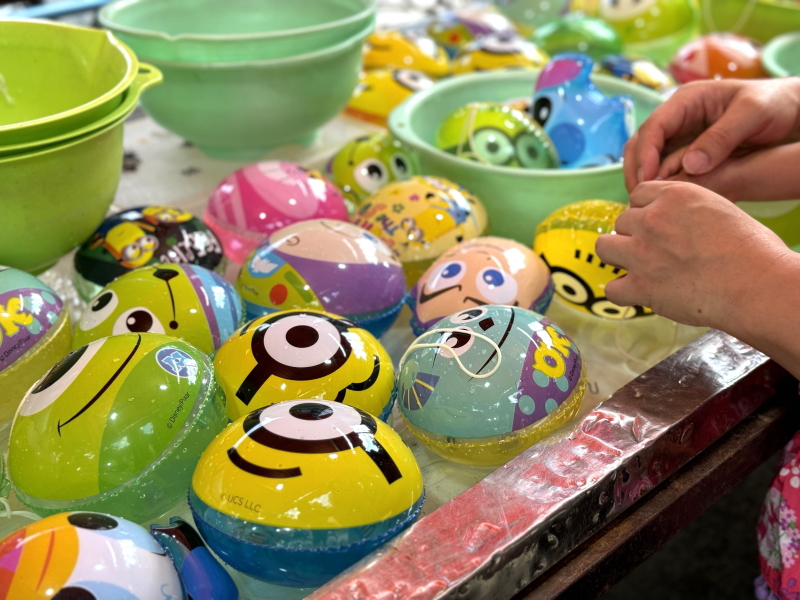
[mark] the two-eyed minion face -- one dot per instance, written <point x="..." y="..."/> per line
<point x="183" y="301"/>
<point x="304" y="354"/>
<point x="308" y="464"/>
<point x="104" y="414"/>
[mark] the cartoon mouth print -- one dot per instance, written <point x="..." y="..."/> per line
<point x="311" y="428"/>
<point x="310" y="347"/>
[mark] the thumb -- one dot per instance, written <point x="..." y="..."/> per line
<point x="717" y="142"/>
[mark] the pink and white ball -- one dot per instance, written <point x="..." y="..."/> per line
<point x="250" y="204"/>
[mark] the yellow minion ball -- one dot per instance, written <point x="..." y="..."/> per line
<point x="304" y="354"/>
<point x="566" y="241"/>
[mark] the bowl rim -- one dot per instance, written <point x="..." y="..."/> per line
<point x="358" y="39"/>
<point x="105" y="18"/>
<point x="773" y="47"/>
<point x="399" y="123"/>
<point x="132" y="68"/>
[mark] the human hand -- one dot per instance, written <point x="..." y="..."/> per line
<point x="690" y="255"/>
<point x="711" y="119"/>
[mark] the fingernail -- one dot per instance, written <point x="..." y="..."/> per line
<point x="640" y="174"/>
<point x="659" y="179"/>
<point x="696" y="162"/>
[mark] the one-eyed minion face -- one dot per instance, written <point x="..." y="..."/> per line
<point x="481" y="271"/>
<point x="304" y="354"/>
<point x="131" y="245"/>
<point x="183" y="301"/>
<point x="566" y="241"/>
<point x="104" y="414"/>
<point x="366" y="164"/>
<point x="98" y="557"/>
<point x="499" y="51"/>
<point x="645" y="20"/>
<point x="308" y="464"/>
<point x="397" y="50"/>
<point x="379" y="91"/>
<point x="497" y="135"/>
<point x="166" y="214"/>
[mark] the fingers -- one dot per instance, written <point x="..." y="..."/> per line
<point x="672" y="164"/>
<point x="646" y="193"/>
<point x="625" y="223"/>
<point x="627" y="291"/>
<point x="667" y="121"/>
<point x="629" y="164"/>
<point x="615" y="250"/>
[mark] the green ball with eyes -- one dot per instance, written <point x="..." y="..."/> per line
<point x="497" y="135"/>
<point x="117" y="426"/>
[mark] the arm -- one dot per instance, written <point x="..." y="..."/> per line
<point x="694" y="257"/>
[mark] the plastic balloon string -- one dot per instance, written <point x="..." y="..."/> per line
<point x="452" y="351"/>
<point x="636" y="358"/>
<point x="744" y="16"/>
<point x="7" y="513"/>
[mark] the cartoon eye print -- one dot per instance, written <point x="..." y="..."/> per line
<point x="458" y="342"/>
<point x="467" y="316"/>
<point x="496" y="285"/>
<point x="500" y="44"/>
<point x="401" y="166"/>
<point x="571" y="287"/>
<point x="609" y="310"/>
<point x="300" y="347"/>
<point x="101" y="308"/>
<point x="137" y="320"/>
<point x="542" y="109"/>
<point x="413" y="80"/>
<point x="527" y="150"/>
<point x="442" y="281"/>
<point x="132" y="251"/>
<point x="371" y="174"/>
<point x="303" y="427"/>
<point x="493" y="145"/>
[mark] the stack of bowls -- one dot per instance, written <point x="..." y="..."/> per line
<point x="245" y="76"/>
<point x="64" y="93"/>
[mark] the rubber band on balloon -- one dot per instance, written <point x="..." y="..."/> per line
<point x="7" y="513"/>
<point x="491" y="342"/>
<point x="744" y="16"/>
<point x="469" y="126"/>
<point x="636" y="358"/>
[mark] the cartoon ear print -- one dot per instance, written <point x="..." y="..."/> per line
<point x="496" y="285"/>
<point x="101" y="308"/>
<point x="312" y="428"/>
<point x="371" y="174"/>
<point x="300" y="347"/>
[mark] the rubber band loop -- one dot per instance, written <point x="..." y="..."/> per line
<point x="7" y="513"/>
<point x="414" y="346"/>
<point x="744" y="16"/>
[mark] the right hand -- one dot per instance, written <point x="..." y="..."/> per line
<point x="711" y="119"/>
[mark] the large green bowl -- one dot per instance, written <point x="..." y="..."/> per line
<point x="516" y="199"/>
<point x="239" y="111"/>
<point x="210" y="31"/>
<point x="55" y="198"/>
<point x="56" y="78"/>
<point x="781" y="56"/>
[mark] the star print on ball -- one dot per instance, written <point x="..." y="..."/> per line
<point x="115" y="426"/>
<point x="85" y="556"/>
<point x="498" y="135"/>
<point x="257" y="200"/>
<point x="183" y="301"/>
<point x="484" y="384"/>
<point x="420" y="218"/>
<point x="587" y="128"/>
<point x="486" y="270"/>
<point x="296" y="492"/>
<point x="142" y="236"/>
<point x="35" y="332"/>
<point x="325" y="265"/>
<point x="304" y="354"/>
<point x="566" y="241"/>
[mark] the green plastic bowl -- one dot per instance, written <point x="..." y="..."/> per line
<point x="54" y="199"/>
<point x="766" y="20"/>
<point x="56" y="78"/>
<point x="781" y="56"/>
<point x="209" y="31"/>
<point x="239" y="111"/>
<point x="147" y="77"/>
<point x="517" y="200"/>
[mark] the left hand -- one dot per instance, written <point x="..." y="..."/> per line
<point x="691" y="255"/>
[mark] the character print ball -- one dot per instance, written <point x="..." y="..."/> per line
<point x="116" y="426"/>
<point x="420" y="218"/>
<point x="587" y="128"/>
<point x="499" y="52"/>
<point x="497" y="135"/>
<point x="366" y="164"/>
<point x="143" y="236"/>
<point x="718" y="56"/>
<point x="296" y="492"/>
<point x="35" y="333"/>
<point x="406" y="50"/>
<point x="182" y="301"/>
<point x="85" y="556"/>
<point x="454" y="29"/>
<point x="379" y="91"/>
<point x="486" y="270"/>
<point x="203" y="577"/>
<point x="637" y="70"/>
<point x="566" y="241"/>
<point x="325" y="265"/>
<point x="257" y="200"/>
<point x="304" y="354"/>
<point x="484" y="384"/>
